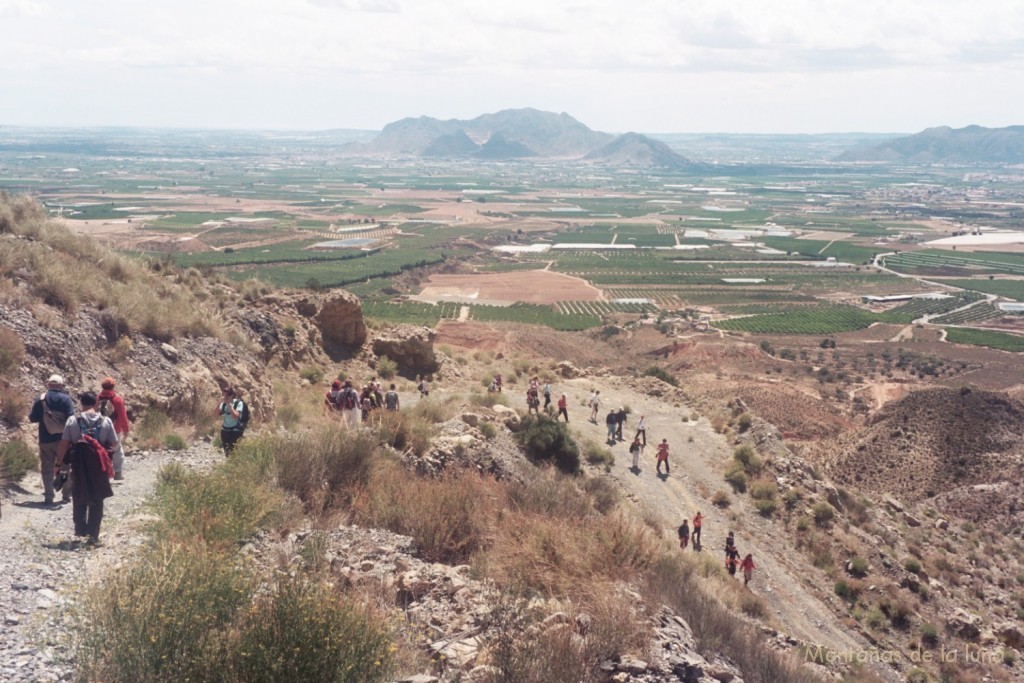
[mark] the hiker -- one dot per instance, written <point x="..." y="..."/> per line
<point x="235" y="418"/>
<point x="85" y="445"/>
<point x="492" y="387"/>
<point x="349" y="405"/>
<point x="497" y="382"/>
<point x="535" y="384"/>
<point x="111" y="406"/>
<point x="636" y="450"/>
<point x="366" y="405"/>
<point x="732" y="560"/>
<point x="532" y="402"/>
<point x="378" y="395"/>
<point x="698" y="520"/>
<point x="595" y="405"/>
<point x="730" y="543"/>
<point x="391" y="399"/>
<point x="663" y="456"/>
<point x="51" y="411"/>
<point x="547" y="395"/>
<point x="641" y="429"/>
<point x="748" y="567"/>
<point x="620" y="419"/>
<point x="332" y="399"/>
<point x="611" y="421"/>
<point x="684" y="534"/>
<point x="563" y="407"/>
<point x="424" y="387"/>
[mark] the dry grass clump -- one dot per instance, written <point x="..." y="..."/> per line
<point x="571" y="646"/>
<point x="12" y="352"/>
<point x="450" y="518"/>
<point x="132" y="298"/>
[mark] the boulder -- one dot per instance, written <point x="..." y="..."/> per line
<point x="832" y="496"/>
<point x="1010" y="633"/>
<point x="410" y="346"/>
<point x="892" y="504"/>
<point x="568" y="370"/>
<point x="340" y="321"/>
<point x="911" y="520"/>
<point x="964" y="624"/>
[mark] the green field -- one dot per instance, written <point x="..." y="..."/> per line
<point x="414" y="312"/>
<point x="338" y="273"/>
<point x="1011" y="289"/>
<point x="818" y="320"/>
<point x="533" y="314"/>
<point x="991" y="339"/>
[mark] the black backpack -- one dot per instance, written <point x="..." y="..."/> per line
<point x="243" y="415"/>
<point x="106" y="408"/>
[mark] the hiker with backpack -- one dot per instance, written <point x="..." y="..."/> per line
<point x="391" y="400"/>
<point x="51" y="411"/>
<point x="636" y="449"/>
<point x="85" y="448"/>
<point x="111" y="406"/>
<point x="332" y="399"/>
<point x="547" y="395"/>
<point x="620" y="420"/>
<point x="611" y="421"/>
<point x="235" y="418"/>
<point x="350" y="406"/>
<point x="732" y="559"/>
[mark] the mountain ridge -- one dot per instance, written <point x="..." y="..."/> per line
<point x="943" y="144"/>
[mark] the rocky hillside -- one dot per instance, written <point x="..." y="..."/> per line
<point x="973" y="144"/>
<point x="932" y="442"/>
<point x="638" y="151"/>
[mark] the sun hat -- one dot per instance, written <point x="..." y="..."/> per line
<point x="56" y="379"/>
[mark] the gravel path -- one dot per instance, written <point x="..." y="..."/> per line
<point x="43" y="568"/>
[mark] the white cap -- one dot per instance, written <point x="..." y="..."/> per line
<point x="56" y="379"/>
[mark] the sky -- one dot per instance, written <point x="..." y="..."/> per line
<point x="654" y="66"/>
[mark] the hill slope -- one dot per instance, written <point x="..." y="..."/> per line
<point x="636" y="150"/>
<point x="973" y="144"/>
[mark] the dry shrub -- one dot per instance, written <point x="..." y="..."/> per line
<point x="404" y="431"/>
<point x="525" y="652"/>
<point x="12" y="352"/>
<point x="16" y="460"/>
<point x="545" y="554"/>
<point x="450" y="518"/>
<point x="718" y="631"/>
<point x="549" y="493"/>
<point x="603" y="492"/>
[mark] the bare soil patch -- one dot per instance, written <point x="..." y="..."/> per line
<point x="527" y="286"/>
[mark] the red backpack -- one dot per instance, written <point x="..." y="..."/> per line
<point x="89" y="441"/>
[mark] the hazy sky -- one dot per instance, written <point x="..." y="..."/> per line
<point x="617" y="65"/>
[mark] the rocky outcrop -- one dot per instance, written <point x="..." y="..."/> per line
<point x="410" y="346"/>
<point x="339" y="318"/>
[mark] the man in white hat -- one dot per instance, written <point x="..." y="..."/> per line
<point x="51" y="411"/>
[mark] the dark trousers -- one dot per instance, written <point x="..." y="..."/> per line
<point x="547" y="400"/>
<point x="563" y="411"/>
<point x="642" y="433"/>
<point x="618" y="431"/>
<point x="696" y="535"/>
<point x="658" y="466"/>
<point x="87" y="517"/>
<point x="228" y="439"/>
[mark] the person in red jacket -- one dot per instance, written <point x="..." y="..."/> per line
<point x="747" y="565"/>
<point x="111" y="405"/>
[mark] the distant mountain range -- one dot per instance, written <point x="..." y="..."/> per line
<point x="973" y="144"/>
<point x="517" y="134"/>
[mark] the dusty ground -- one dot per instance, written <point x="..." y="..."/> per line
<point x="529" y="286"/>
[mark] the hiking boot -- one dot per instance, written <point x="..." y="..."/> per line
<point x="119" y="477"/>
<point x="48" y="500"/>
<point x="93" y="542"/>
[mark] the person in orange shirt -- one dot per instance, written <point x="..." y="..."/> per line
<point x="747" y="565"/>
<point x="698" y="519"/>
<point x="563" y="408"/>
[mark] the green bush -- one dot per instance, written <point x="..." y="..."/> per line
<point x="174" y="442"/>
<point x="488" y="430"/>
<point x="225" y="506"/>
<point x="312" y="374"/>
<point x="736" y="477"/>
<point x="661" y="374"/>
<point x="875" y="619"/>
<point x="929" y="633"/>
<point x="859" y="567"/>
<point x="766" y="506"/>
<point x="16" y="460"/>
<point x="912" y="565"/>
<point x="544" y="439"/>
<point x="161" y="618"/>
<point x="596" y="454"/>
<point x="744" y="422"/>
<point x="764" y="489"/>
<point x="305" y="631"/>
<point x="847" y="590"/>
<point x="721" y="499"/>
<point x="747" y="457"/>
<point x="823" y="513"/>
<point x="386" y="367"/>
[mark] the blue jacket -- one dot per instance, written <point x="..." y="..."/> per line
<point x="59" y="402"/>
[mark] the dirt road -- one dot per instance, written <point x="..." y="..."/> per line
<point x="792" y="588"/>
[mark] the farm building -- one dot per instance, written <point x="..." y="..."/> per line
<point x="893" y="298"/>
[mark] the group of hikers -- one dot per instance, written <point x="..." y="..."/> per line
<point x="732" y="555"/>
<point x="80" y="451"/>
<point x="355" y="406"/>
